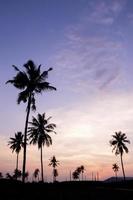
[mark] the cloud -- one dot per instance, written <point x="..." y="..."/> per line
<point x="91" y="58"/>
<point x="92" y="61"/>
<point x="105" y="12"/>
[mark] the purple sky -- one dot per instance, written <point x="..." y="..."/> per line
<point x="89" y="45"/>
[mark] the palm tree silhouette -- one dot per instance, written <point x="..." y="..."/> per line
<point x="31" y="81"/>
<point x="118" y="143"/>
<point x="115" y="168"/>
<point x="36" y="174"/>
<point x="39" y="134"/>
<point x="55" y="174"/>
<point x="54" y="163"/>
<point x="16" y="144"/>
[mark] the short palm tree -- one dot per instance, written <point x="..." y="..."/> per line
<point x="54" y="163"/>
<point x="115" y="168"/>
<point x="39" y="134"/>
<point x="31" y="81"/>
<point x="118" y="143"/>
<point x="16" y="144"/>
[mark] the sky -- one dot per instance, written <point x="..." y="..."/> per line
<point x="89" y="45"/>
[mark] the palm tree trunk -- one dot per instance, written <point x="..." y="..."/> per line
<point x="17" y="162"/>
<point x="116" y="175"/>
<point x="42" y="166"/>
<point x="122" y="165"/>
<point x="82" y="176"/>
<point x="53" y="176"/>
<point x="25" y="138"/>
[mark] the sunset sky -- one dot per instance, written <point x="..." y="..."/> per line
<point x="89" y="44"/>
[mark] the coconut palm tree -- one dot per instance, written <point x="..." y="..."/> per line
<point x="54" y="163"/>
<point x="36" y="174"/>
<point x="39" y="134"/>
<point x="115" y="168"/>
<point x="16" y="144"/>
<point x="118" y="143"/>
<point x="31" y="81"/>
<point x="55" y="174"/>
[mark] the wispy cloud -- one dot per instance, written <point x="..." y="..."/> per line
<point x="90" y="60"/>
<point x="105" y="12"/>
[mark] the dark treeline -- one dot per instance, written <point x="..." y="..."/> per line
<point x="67" y="190"/>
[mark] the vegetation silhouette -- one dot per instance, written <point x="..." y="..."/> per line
<point x="1" y="175"/>
<point x="16" y="144"/>
<point x="31" y="81"/>
<point x="82" y="170"/>
<point x="36" y="174"/>
<point x="17" y="174"/>
<point x="54" y="163"/>
<point x="115" y="168"/>
<point x="75" y="175"/>
<point x="9" y="176"/>
<point x="78" y="171"/>
<point x="118" y="143"/>
<point x="38" y="134"/>
<point x="26" y="175"/>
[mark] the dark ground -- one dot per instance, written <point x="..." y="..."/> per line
<point x="11" y="190"/>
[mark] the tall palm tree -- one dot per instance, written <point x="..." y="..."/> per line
<point x="31" y="81"/>
<point x="16" y="144"/>
<point x="118" y="143"/>
<point x="39" y="134"/>
<point x="54" y="163"/>
<point x="115" y="168"/>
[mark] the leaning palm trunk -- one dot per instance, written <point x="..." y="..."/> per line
<point x="42" y="166"/>
<point x="25" y="139"/>
<point x="122" y="165"/>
